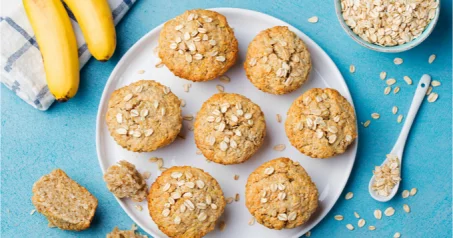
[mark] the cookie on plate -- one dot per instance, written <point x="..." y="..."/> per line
<point x="198" y="45"/>
<point x="63" y="201"/>
<point x="123" y="180"/>
<point x="280" y="194"/>
<point x="229" y="128"/>
<point x="185" y="202"/>
<point x="321" y="123"/>
<point x="144" y="116"/>
<point x="277" y="61"/>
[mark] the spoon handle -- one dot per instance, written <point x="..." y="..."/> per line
<point x="420" y="93"/>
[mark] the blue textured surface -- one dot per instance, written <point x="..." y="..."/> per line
<point x="34" y="142"/>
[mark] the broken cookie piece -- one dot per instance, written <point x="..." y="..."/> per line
<point x="65" y="203"/>
<point x="117" y="233"/>
<point x="123" y="180"/>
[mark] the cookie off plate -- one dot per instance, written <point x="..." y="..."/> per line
<point x="329" y="175"/>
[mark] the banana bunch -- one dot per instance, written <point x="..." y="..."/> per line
<point x="57" y="41"/>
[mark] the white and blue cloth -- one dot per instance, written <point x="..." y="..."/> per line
<point x="22" y="69"/>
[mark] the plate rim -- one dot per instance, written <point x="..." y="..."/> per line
<point x="122" y="61"/>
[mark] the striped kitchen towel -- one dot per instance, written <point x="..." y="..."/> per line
<point x="22" y="68"/>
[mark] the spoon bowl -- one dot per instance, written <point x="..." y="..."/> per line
<point x="398" y="149"/>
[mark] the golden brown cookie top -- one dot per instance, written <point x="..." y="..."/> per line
<point x="321" y="123"/>
<point x="229" y="128"/>
<point x="123" y="180"/>
<point x="198" y="45"/>
<point x="278" y="61"/>
<point x="280" y="194"/>
<point x="185" y="202"/>
<point x="144" y="116"/>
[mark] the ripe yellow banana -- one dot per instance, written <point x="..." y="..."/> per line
<point x="58" y="46"/>
<point x="96" y="21"/>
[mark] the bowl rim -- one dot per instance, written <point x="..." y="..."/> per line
<point x="387" y="49"/>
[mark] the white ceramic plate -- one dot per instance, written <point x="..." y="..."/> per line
<point x="330" y="175"/>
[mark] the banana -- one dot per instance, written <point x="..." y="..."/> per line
<point x="96" y="21"/>
<point x="58" y="46"/>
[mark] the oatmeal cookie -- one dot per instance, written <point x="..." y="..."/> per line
<point x="321" y="123"/>
<point x="277" y="61"/>
<point x="229" y="128"/>
<point x="185" y="202"/>
<point x="280" y="194"/>
<point x="117" y="233"/>
<point x="144" y="116"/>
<point x="123" y="180"/>
<point x="198" y="45"/>
<point x="63" y="201"/>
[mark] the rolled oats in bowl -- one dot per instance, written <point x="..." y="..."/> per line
<point x="388" y="22"/>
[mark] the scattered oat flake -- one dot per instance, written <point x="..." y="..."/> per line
<point x="141" y="71"/>
<point x="396" y="90"/>
<point x="356" y="215"/>
<point x="383" y="75"/>
<point x="361" y="223"/>
<point x="279" y="118"/>
<point x="338" y="217"/>
<point x="32" y="212"/>
<point x="186" y="87"/>
<point x="413" y="191"/>
<point x="159" y="65"/>
<point x="146" y="175"/>
<point x="433" y="97"/>
<point x="387" y="90"/>
<point x="313" y="19"/>
<point x="394" y="109"/>
<point x="371" y="228"/>
<point x="229" y="200"/>
<point x="350" y="227"/>
<point x="224" y="79"/>
<point x="367" y="123"/>
<point x="153" y="159"/>
<point x="198" y="152"/>
<point x="222" y="225"/>
<point x="435" y="83"/>
<point x="389" y="211"/>
<point x="220" y="88"/>
<point x="407" y="80"/>
<point x="349" y="195"/>
<point x="399" y="119"/>
<point x="397" y="235"/>
<point x="430" y="89"/>
<point x="398" y="61"/>
<point x="183" y="103"/>
<point x="405" y="194"/>
<point x="377" y="214"/>
<point x="390" y="81"/>
<point x="279" y="147"/>
<point x="431" y="58"/>
<point x="134" y="227"/>
<point x="187" y="117"/>
<point x="375" y="115"/>
<point x="406" y="208"/>
<point x="352" y="68"/>
<point x="251" y="221"/>
<point x="139" y="208"/>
